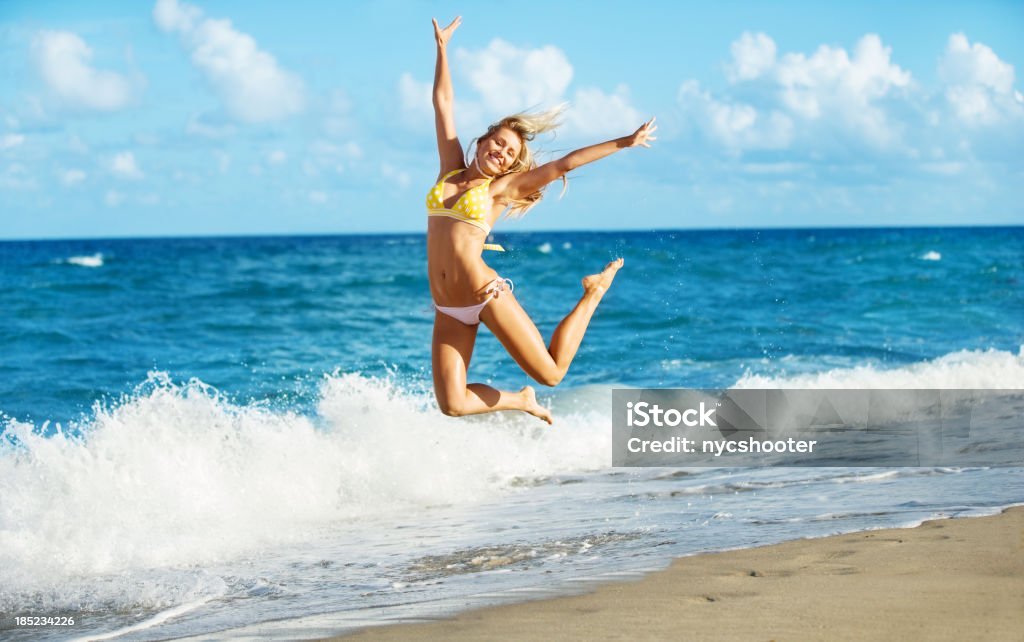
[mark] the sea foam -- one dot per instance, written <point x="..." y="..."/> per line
<point x="128" y="508"/>
<point x="91" y="261"/>
<point x="964" y="369"/>
<point x="176" y="475"/>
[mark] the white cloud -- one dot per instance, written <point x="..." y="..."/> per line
<point x="735" y="125"/>
<point x="123" y="165"/>
<point x="252" y="85"/>
<point x="317" y="197"/>
<point x="752" y="55"/>
<point x="17" y="176"/>
<point x="972" y="104"/>
<point x="597" y="114"/>
<point x="510" y="79"/>
<point x="172" y="16"/>
<point x="416" y="101"/>
<point x="944" y="168"/>
<point x="10" y="141"/>
<point x="979" y="86"/>
<point x="830" y="82"/>
<point x="414" y="97"/>
<point x="337" y="119"/>
<point x="504" y="79"/>
<point x="72" y="176"/>
<point x="64" y="62"/>
<point x="965" y="63"/>
<point x="277" y="157"/>
<point x="799" y="96"/>
<point x="325" y="154"/>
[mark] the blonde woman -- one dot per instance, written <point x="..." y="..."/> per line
<point x="464" y="203"/>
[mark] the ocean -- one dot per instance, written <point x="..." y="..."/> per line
<point x="235" y="437"/>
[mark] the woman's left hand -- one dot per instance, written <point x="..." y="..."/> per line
<point x="642" y="136"/>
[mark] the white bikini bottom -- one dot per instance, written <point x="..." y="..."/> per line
<point x="470" y="314"/>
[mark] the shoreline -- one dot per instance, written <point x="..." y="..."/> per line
<point x="959" y="578"/>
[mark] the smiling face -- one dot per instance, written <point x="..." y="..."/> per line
<point x="497" y="153"/>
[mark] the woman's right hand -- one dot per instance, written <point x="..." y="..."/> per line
<point x="443" y="35"/>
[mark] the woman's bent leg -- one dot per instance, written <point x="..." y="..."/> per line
<point x="517" y="332"/>
<point x="451" y="352"/>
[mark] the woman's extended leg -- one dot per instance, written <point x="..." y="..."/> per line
<point x="451" y="351"/>
<point x="517" y="332"/>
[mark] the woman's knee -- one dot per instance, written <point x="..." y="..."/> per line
<point x="452" y="405"/>
<point x="550" y="377"/>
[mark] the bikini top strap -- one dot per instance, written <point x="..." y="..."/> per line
<point x="449" y="175"/>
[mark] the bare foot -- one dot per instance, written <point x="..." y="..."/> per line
<point x="600" y="282"/>
<point x="531" y="406"/>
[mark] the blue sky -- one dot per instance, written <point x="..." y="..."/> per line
<point x="169" y="117"/>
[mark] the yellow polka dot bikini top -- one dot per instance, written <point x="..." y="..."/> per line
<point x="470" y="208"/>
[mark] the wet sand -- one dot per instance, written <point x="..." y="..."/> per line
<point x="959" y="579"/>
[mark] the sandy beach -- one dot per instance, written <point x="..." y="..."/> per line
<point x="951" y="579"/>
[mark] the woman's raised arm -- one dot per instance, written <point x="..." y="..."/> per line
<point x="448" y="147"/>
<point x="517" y="186"/>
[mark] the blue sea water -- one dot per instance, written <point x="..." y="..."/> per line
<point x="204" y="435"/>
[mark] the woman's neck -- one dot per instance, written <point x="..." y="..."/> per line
<point x="473" y="172"/>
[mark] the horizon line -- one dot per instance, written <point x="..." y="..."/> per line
<point x="797" y="228"/>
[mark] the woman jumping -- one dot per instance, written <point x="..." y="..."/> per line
<point x="462" y="206"/>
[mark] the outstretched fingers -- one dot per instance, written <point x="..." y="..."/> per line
<point x="642" y="136"/>
<point x="650" y="128"/>
<point x="443" y="35"/>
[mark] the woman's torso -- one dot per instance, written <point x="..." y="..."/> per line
<point x="455" y="266"/>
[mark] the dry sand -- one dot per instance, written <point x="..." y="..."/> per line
<point x="959" y="579"/>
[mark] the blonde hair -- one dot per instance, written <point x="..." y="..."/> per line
<point x="528" y="125"/>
